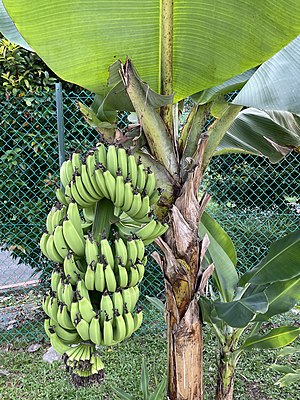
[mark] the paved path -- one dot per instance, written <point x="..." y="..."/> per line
<point x="13" y="274"/>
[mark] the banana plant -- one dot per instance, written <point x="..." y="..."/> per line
<point x="290" y="375"/>
<point x="159" y="392"/>
<point x="237" y="307"/>
<point x="148" y="57"/>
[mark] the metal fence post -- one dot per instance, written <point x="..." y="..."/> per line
<point x="60" y="122"/>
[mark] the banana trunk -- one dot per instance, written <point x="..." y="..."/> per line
<point x="181" y="265"/>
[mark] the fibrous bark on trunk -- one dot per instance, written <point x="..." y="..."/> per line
<point x="182" y="269"/>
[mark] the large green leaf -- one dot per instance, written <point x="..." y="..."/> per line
<point x="240" y="312"/>
<point x="276" y="84"/>
<point x="281" y="263"/>
<point x="9" y="30"/>
<point x="289" y="378"/>
<point x="266" y="133"/>
<point x="223" y="255"/>
<point x="235" y="83"/>
<point x="282" y="296"/>
<point x="276" y="338"/>
<point x="213" y="40"/>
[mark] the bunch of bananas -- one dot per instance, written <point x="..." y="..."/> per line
<point x="96" y="234"/>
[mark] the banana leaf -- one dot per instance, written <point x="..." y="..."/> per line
<point x="275" y="85"/>
<point x="240" y="312"/>
<point x="272" y="134"/>
<point x="222" y="253"/>
<point x="282" y="296"/>
<point x="276" y="338"/>
<point x="281" y="263"/>
<point x="212" y="41"/>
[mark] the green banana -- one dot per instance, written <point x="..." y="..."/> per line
<point x="138" y="319"/>
<point x="82" y="327"/>
<point x="106" y="306"/>
<point x="119" y="327"/>
<point x="58" y="215"/>
<point x="132" y="251"/>
<point x="144" y="209"/>
<point x="58" y="344"/>
<point x="99" y="277"/>
<point x="141" y="175"/>
<point x="89" y="213"/>
<point x="47" y="326"/>
<point x="76" y="162"/>
<point x="91" y="250"/>
<point x="110" y="183"/>
<point x="83" y="192"/>
<point x="59" y="242"/>
<point x="108" y="337"/>
<point x="61" y="197"/>
<point x="88" y="184"/>
<point x="71" y="270"/>
<point x="129" y="322"/>
<point x="101" y="181"/>
<point x="68" y="293"/>
<point x="117" y="300"/>
<point x="43" y="243"/>
<point x="133" y="276"/>
<point x="122" y="275"/>
<point x="53" y="308"/>
<point x="120" y="190"/>
<point x="85" y="307"/>
<point x="69" y="336"/>
<point x="140" y="247"/>
<point x="68" y="193"/>
<point x="110" y="279"/>
<point x="55" y="277"/>
<point x="137" y="293"/>
<point x="112" y="159"/>
<point x="82" y="290"/>
<point x="158" y="231"/>
<point x="132" y="169"/>
<point x="129" y="298"/>
<point x="120" y="249"/>
<point x="147" y="230"/>
<point x="53" y="254"/>
<point x="76" y="196"/>
<point x="135" y="205"/>
<point x="155" y="196"/>
<point x="63" y="317"/>
<point x="95" y="330"/>
<point x="66" y="172"/>
<point x="49" y="220"/>
<point x="122" y="161"/>
<point x="150" y="183"/>
<point x="45" y="303"/>
<point x="106" y="250"/>
<point x="141" y="269"/>
<point x="60" y="289"/>
<point x="74" y="310"/>
<point x="101" y="154"/>
<point x="74" y="216"/>
<point x="128" y="196"/>
<point x="74" y="240"/>
<point x="89" y="277"/>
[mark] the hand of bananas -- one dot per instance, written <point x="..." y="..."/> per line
<point x="96" y="233"/>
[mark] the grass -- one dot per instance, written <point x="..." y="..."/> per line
<point x="29" y="377"/>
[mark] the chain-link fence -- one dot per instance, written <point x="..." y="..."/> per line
<point x="253" y="200"/>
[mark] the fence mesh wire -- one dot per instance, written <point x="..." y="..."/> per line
<point x="254" y="201"/>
